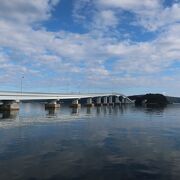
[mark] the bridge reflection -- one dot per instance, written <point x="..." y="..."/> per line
<point x="9" y="114"/>
<point x="37" y="110"/>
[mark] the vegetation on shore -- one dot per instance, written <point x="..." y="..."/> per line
<point x="150" y="100"/>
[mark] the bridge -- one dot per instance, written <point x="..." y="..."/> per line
<point x="10" y="100"/>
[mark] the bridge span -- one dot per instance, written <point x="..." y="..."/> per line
<point x="10" y="100"/>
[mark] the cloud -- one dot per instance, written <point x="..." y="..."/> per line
<point x="160" y="18"/>
<point x="98" y="58"/>
<point x="104" y="20"/>
<point x="148" y="57"/>
<point x="20" y="11"/>
<point x="131" y="4"/>
<point x="150" y="14"/>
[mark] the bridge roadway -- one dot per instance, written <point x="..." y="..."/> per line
<point x="11" y="99"/>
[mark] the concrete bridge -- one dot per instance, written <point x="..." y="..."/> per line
<point x="10" y="100"/>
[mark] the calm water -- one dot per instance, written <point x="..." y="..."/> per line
<point x="99" y="143"/>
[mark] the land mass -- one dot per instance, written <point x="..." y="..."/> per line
<point x="154" y="99"/>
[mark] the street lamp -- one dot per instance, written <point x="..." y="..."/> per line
<point x="22" y="83"/>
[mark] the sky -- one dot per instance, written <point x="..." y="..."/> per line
<point x="125" y="46"/>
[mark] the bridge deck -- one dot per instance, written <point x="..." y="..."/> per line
<point x="51" y="96"/>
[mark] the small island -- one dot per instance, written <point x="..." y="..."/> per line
<point x="150" y="100"/>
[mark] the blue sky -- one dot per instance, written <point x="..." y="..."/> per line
<point x="127" y="46"/>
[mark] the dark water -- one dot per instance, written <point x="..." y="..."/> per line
<point x="100" y="143"/>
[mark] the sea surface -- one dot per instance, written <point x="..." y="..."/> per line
<point x="103" y="143"/>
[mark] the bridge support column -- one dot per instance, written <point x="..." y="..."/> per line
<point x="75" y="104"/>
<point x="111" y="101"/>
<point x="105" y="101"/>
<point x="9" y="105"/>
<point x="117" y="102"/>
<point x="52" y="105"/>
<point x="89" y="103"/>
<point x="123" y="100"/>
<point x="98" y="101"/>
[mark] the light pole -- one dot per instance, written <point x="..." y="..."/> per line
<point x="22" y="77"/>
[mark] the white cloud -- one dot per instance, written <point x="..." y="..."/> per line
<point x="36" y="52"/>
<point x="148" y="57"/>
<point x="131" y="4"/>
<point x="20" y="11"/>
<point x="151" y="14"/>
<point x="105" y="19"/>
<point x="160" y="18"/>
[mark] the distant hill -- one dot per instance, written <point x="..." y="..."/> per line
<point x="173" y="99"/>
<point x="170" y="99"/>
<point x="134" y="97"/>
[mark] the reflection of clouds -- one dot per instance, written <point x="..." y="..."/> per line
<point x="52" y="150"/>
<point x="26" y="107"/>
<point x="34" y="113"/>
<point x="108" y="144"/>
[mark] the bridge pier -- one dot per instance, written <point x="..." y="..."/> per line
<point x="75" y="104"/>
<point x="105" y="101"/>
<point x="89" y="103"/>
<point x="98" y="101"/>
<point x="9" y="105"/>
<point x="111" y="101"/>
<point x="52" y="105"/>
<point x="124" y="100"/>
<point x="117" y="101"/>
